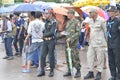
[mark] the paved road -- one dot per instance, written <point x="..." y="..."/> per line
<point x="11" y="70"/>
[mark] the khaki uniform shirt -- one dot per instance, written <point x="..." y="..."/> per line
<point x="97" y="34"/>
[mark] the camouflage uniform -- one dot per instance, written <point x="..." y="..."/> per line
<point x="72" y="30"/>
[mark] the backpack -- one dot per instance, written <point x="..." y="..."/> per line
<point x="14" y="28"/>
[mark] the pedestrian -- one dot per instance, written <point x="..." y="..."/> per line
<point x="97" y="44"/>
<point x="19" y="37"/>
<point x="49" y="42"/>
<point x="113" y="35"/>
<point x="35" y="29"/>
<point x="72" y="37"/>
<point x="7" y="36"/>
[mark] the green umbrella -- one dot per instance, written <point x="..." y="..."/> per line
<point x="69" y="57"/>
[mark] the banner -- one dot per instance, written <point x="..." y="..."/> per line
<point x="7" y="1"/>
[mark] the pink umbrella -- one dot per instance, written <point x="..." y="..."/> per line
<point x="101" y="12"/>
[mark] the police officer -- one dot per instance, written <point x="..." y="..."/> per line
<point x="72" y="37"/>
<point x="49" y="42"/>
<point x="113" y="34"/>
<point x="97" y="44"/>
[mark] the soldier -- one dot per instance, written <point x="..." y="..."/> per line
<point x="72" y="37"/>
<point x="113" y="32"/>
<point x="97" y="44"/>
<point x="49" y="42"/>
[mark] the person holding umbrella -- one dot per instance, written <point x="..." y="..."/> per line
<point x="72" y="37"/>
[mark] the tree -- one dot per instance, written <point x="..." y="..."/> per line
<point x="19" y="0"/>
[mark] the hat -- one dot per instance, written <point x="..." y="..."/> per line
<point x="93" y="10"/>
<point x="48" y="10"/>
<point x="112" y="8"/>
<point x="71" y="11"/>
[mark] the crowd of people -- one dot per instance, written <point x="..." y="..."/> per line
<point x="38" y="38"/>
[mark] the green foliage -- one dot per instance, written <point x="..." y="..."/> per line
<point x="19" y="0"/>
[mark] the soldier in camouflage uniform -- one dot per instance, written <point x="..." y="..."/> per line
<point x="72" y="31"/>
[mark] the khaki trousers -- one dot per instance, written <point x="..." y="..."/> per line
<point x="93" y="54"/>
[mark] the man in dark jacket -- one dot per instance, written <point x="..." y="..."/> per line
<point x="48" y="43"/>
<point x="113" y="33"/>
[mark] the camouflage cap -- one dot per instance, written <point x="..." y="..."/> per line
<point x="71" y="11"/>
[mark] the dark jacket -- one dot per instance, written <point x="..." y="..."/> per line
<point x="113" y="27"/>
<point x="50" y="28"/>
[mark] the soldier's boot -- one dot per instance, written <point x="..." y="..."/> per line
<point x="77" y="74"/>
<point x="89" y="75"/>
<point x="41" y="73"/>
<point x="51" y="74"/>
<point x="98" y="76"/>
<point x="67" y="74"/>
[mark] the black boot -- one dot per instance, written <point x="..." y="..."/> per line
<point x="98" y="76"/>
<point x="51" y="74"/>
<point x="112" y="78"/>
<point x="41" y="73"/>
<point x="67" y="74"/>
<point x="89" y="75"/>
<point x="77" y="74"/>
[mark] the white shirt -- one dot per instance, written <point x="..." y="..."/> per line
<point x="35" y="29"/>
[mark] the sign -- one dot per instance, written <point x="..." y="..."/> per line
<point x="7" y="1"/>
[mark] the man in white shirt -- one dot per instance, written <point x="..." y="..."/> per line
<point x="35" y="29"/>
<point x="7" y="36"/>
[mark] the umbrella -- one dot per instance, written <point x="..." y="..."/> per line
<point x="3" y="10"/>
<point x="101" y="12"/>
<point x="60" y="10"/>
<point x="90" y="2"/>
<point x="69" y="58"/>
<point x="25" y="7"/>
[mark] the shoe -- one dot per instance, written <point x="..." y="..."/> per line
<point x="51" y="74"/>
<point x="98" y="76"/>
<point x="17" y="53"/>
<point x="78" y="74"/>
<point x="112" y="78"/>
<point x="5" y="57"/>
<point x="67" y="74"/>
<point x="10" y="58"/>
<point x="26" y="71"/>
<point x="41" y="73"/>
<point x="89" y="75"/>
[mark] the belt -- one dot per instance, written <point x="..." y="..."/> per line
<point x="48" y="38"/>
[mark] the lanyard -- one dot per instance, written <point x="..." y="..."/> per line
<point x="110" y="26"/>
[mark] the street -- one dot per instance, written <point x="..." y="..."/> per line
<point x="11" y="69"/>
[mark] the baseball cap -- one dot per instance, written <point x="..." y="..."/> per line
<point x="71" y="11"/>
<point x="112" y="8"/>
